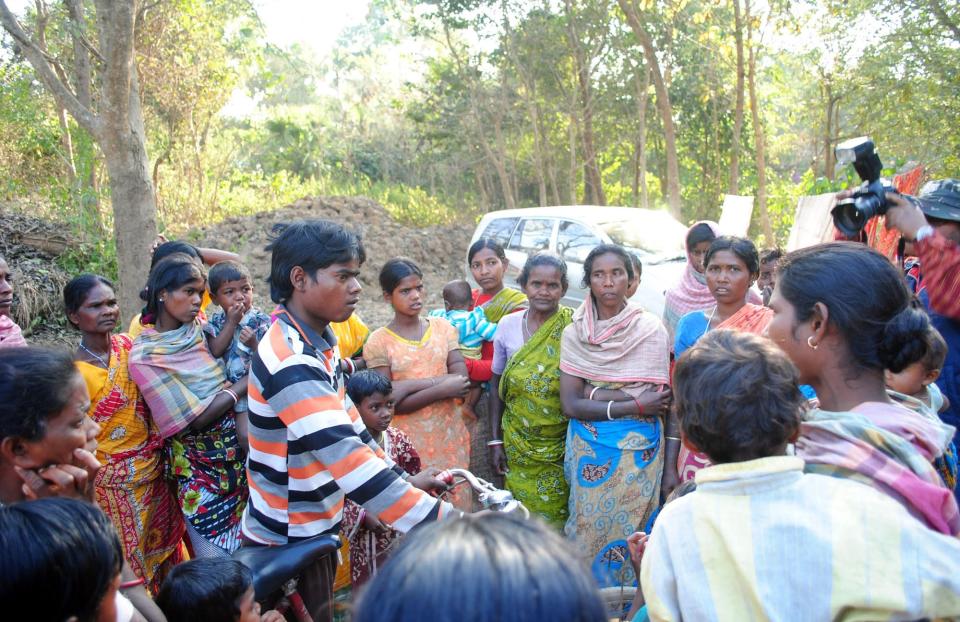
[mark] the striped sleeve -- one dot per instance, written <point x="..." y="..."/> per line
<point x="327" y="447"/>
<point x="482" y="326"/>
<point x="940" y="265"/>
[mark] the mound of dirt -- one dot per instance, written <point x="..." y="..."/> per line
<point x="30" y="246"/>
<point x="440" y="251"/>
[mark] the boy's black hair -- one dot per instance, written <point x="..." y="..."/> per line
<point x="637" y="265"/>
<point x="170" y="273"/>
<point x="770" y="254"/>
<point x="76" y="291"/>
<point x="395" y="270"/>
<point x="507" y="569"/>
<point x="60" y="557"/>
<point x="365" y="383"/>
<point x="35" y="386"/>
<point x="204" y="590"/>
<point x="606" y="249"/>
<point x="744" y="249"/>
<point x="936" y="350"/>
<point x="224" y="272"/>
<point x="311" y="244"/>
<point x="737" y="397"/>
<point x="457" y="294"/>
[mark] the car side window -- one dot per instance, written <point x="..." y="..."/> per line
<point x="575" y="241"/>
<point x="532" y="235"/>
<point x="500" y="229"/>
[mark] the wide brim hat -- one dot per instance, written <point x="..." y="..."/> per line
<point x="941" y="199"/>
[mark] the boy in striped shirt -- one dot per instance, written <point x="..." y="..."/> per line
<point x="308" y="445"/>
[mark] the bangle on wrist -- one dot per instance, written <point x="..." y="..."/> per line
<point x="232" y="394"/>
<point x="673" y="438"/>
<point x="595" y="389"/>
<point x="609" y="406"/>
<point x="134" y="583"/>
<point x="494" y="442"/>
<point x="923" y="233"/>
<point x="636" y="401"/>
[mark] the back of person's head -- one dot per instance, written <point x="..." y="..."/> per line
<point x="457" y="293"/>
<point x="204" y="590"/>
<point x="936" y="350"/>
<point x="481" y="568"/>
<point x="311" y="244"/>
<point x="867" y="301"/>
<point x="637" y="265"/>
<point x="770" y="255"/>
<point x="366" y="382"/>
<point x="170" y="273"/>
<point x="76" y="291"/>
<point x="59" y="559"/>
<point x="395" y="270"/>
<point x="737" y="397"/>
<point x="35" y="386"/>
<point x="489" y="244"/>
<point x="224" y="272"/>
<point x="606" y="249"/>
<point x="699" y="233"/>
<point x="171" y="248"/>
<point x="744" y="249"/>
<point x="544" y="259"/>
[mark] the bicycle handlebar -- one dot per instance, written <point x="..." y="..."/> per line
<point x="490" y="497"/>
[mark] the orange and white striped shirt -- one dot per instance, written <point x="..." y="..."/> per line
<point x="309" y="447"/>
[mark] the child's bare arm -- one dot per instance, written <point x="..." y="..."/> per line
<point x="218" y="345"/>
<point x="213" y="256"/>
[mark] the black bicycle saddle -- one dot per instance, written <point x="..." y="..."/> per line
<point x="272" y="566"/>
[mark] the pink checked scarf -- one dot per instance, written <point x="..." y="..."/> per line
<point x="630" y="348"/>
<point x="10" y="335"/>
<point x="889" y="447"/>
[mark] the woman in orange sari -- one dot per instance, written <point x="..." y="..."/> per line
<point x="732" y="265"/>
<point x="130" y="486"/>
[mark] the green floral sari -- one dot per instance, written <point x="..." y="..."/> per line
<point x="534" y="428"/>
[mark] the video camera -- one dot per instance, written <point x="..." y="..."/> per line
<point x="852" y="214"/>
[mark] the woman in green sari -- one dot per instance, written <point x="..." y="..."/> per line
<point x="529" y="429"/>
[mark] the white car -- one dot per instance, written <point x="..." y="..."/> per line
<point x="655" y="236"/>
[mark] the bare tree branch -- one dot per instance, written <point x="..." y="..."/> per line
<point x="36" y="57"/>
<point x="81" y="52"/>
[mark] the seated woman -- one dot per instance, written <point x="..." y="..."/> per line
<point x="614" y="364"/>
<point x="529" y="429"/>
<point x="130" y="486"/>
<point x="843" y="314"/>
<point x="191" y="404"/>
<point x="480" y="568"/>
<point x="732" y="267"/>
<point x="10" y="333"/>
<point x="61" y="561"/>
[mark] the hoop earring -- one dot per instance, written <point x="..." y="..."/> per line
<point x="810" y="343"/>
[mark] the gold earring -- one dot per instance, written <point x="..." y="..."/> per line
<point x="811" y="344"/>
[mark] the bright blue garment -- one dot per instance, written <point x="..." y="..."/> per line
<point x="690" y="328"/>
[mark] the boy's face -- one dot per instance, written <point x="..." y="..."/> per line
<point x="249" y="608"/>
<point x="377" y="411"/>
<point x="911" y="380"/>
<point x="233" y="293"/>
<point x="768" y="275"/>
<point x="330" y="294"/>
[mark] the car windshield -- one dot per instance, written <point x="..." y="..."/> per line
<point x="655" y="235"/>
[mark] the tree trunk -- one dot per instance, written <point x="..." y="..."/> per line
<point x="734" y="187"/>
<point x="640" y="177"/>
<point x="572" y="140"/>
<point x="592" y="179"/>
<point x="758" y="134"/>
<point x="663" y="106"/>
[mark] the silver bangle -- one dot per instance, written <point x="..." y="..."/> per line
<point x="232" y="394"/>
<point x="609" y="406"/>
<point x="494" y="442"/>
<point x="595" y="389"/>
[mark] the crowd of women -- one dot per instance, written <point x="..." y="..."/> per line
<point x="579" y="399"/>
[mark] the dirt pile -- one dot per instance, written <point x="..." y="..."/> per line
<point x="440" y="251"/>
<point x="30" y="246"/>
